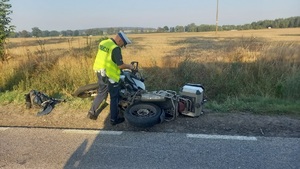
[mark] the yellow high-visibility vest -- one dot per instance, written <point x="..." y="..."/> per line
<point x="104" y="60"/>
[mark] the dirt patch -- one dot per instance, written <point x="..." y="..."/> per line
<point x="240" y="123"/>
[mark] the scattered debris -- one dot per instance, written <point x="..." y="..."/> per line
<point x="42" y="100"/>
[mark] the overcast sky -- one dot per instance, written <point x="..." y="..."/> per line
<point x="83" y="14"/>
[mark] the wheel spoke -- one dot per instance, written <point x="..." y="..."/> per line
<point x="143" y="113"/>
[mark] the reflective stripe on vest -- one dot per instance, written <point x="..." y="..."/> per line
<point x="104" y="60"/>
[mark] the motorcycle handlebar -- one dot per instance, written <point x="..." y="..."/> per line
<point x="135" y="65"/>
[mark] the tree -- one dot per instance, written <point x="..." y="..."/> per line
<point x="5" y="27"/>
<point x="179" y="28"/>
<point x="63" y="33"/>
<point x="172" y="29"/>
<point x="76" y="33"/>
<point x="45" y="33"/>
<point x="206" y="28"/>
<point x="166" y="29"/>
<point x="94" y="32"/>
<point x="54" y="33"/>
<point x="69" y="33"/>
<point x="110" y="31"/>
<point x="36" y="32"/>
<point x="24" y="34"/>
<point x="191" y="27"/>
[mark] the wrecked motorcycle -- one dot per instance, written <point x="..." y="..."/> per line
<point x="144" y="108"/>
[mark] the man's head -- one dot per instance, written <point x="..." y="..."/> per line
<point x="121" y="39"/>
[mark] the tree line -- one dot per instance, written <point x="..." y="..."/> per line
<point x="36" y="32"/>
<point x="277" y="23"/>
<point x="291" y="22"/>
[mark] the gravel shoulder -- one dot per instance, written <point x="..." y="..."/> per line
<point x="237" y="123"/>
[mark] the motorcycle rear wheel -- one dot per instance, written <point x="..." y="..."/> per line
<point x="143" y="115"/>
<point x="86" y="91"/>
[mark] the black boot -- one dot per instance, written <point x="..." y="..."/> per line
<point x="115" y="122"/>
<point x="92" y="116"/>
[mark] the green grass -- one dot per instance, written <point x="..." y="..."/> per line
<point x="253" y="104"/>
<point x="17" y="98"/>
<point x="257" y="105"/>
<point x="8" y="97"/>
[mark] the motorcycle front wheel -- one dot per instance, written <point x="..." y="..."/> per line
<point x="143" y="115"/>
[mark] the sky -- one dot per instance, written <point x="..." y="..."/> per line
<point x="85" y="14"/>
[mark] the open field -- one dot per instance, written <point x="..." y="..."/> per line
<point x="158" y="48"/>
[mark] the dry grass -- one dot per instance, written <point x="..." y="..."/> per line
<point x="166" y="48"/>
<point x="154" y="48"/>
<point x="62" y="64"/>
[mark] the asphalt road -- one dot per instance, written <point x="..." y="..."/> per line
<point x="54" y="148"/>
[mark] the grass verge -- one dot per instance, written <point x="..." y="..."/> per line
<point x="257" y="105"/>
<point x="253" y="104"/>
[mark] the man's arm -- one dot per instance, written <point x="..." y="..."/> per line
<point x="118" y="59"/>
<point x="126" y="66"/>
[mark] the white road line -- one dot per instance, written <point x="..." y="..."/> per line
<point x="224" y="137"/>
<point x="201" y="136"/>
<point x="3" y="128"/>
<point x="93" y="132"/>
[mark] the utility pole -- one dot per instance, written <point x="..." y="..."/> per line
<point x="217" y="16"/>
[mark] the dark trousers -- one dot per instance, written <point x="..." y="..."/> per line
<point x="106" y="87"/>
<point x="114" y="92"/>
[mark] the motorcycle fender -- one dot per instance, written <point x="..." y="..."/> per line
<point x="152" y="97"/>
<point x="139" y="83"/>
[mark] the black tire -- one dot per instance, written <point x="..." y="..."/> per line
<point x="85" y="91"/>
<point x="143" y="115"/>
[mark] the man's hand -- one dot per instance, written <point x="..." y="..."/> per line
<point x="131" y="67"/>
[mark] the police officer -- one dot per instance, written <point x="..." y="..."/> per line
<point x="108" y="65"/>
